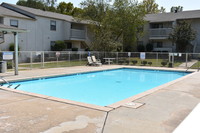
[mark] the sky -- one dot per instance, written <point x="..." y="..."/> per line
<point x="187" y="4"/>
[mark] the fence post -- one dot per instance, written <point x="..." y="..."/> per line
<point x="31" y="59"/>
<point x="117" y="58"/>
<point x="79" y="56"/>
<point x="69" y="57"/>
<point x="186" y="60"/>
<point x="157" y="59"/>
<point x="56" y="60"/>
<point x="173" y="60"/>
<point x="43" y="59"/>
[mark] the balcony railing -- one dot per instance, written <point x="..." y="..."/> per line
<point x="161" y="32"/>
<point x="162" y="49"/>
<point x="78" y="34"/>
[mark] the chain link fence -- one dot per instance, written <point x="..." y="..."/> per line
<point x="52" y="59"/>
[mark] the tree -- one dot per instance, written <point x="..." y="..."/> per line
<point x="50" y="2"/>
<point x="182" y="35"/>
<point x="114" y="27"/>
<point x="97" y="13"/>
<point x="127" y="18"/>
<point x="77" y="12"/>
<point x="176" y="9"/>
<point x="37" y="4"/>
<point x="150" y="6"/>
<point x="65" y="8"/>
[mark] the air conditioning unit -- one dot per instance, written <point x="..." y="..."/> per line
<point x="1" y="35"/>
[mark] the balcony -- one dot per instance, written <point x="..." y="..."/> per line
<point x="160" y="33"/>
<point x="77" y="34"/>
<point x="163" y="49"/>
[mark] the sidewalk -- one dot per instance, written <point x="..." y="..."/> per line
<point x="162" y="111"/>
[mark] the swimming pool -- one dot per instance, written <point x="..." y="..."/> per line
<point x="100" y="88"/>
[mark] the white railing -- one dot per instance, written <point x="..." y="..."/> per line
<point x="161" y="32"/>
<point x="78" y="34"/>
<point x="50" y="59"/>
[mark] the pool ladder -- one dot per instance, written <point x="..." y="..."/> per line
<point x="9" y="84"/>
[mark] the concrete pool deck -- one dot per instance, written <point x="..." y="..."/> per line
<point x="162" y="111"/>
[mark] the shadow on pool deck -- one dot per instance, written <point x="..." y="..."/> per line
<point x="162" y="112"/>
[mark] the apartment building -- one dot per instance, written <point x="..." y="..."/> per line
<point x="44" y="28"/>
<point x="159" y="26"/>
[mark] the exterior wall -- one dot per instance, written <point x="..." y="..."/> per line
<point x="44" y="35"/>
<point x="166" y="42"/>
<point x="23" y="37"/>
<point x="145" y="37"/>
<point x="40" y="36"/>
<point x="166" y="45"/>
<point x="196" y="43"/>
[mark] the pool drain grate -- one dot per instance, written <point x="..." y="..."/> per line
<point x="133" y="105"/>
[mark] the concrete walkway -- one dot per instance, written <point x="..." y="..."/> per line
<point x="162" y="111"/>
<point x="189" y="64"/>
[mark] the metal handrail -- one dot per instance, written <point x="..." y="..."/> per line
<point x="5" y="80"/>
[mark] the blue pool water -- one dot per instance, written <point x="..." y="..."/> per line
<point x="100" y="88"/>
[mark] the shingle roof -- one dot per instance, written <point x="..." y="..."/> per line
<point x="163" y="17"/>
<point x="7" y="12"/>
<point x="42" y="13"/>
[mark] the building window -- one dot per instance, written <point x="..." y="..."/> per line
<point x="69" y="45"/>
<point x="53" y="25"/>
<point x="156" y="25"/>
<point x="1" y="20"/>
<point x="159" y="44"/>
<point x="14" y="23"/>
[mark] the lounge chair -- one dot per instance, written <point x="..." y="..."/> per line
<point x="95" y="60"/>
<point x="91" y="63"/>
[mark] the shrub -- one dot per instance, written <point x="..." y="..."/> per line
<point x="149" y="47"/>
<point x="134" y="62"/>
<point x="120" y="62"/>
<point x="74" y="49"/>
<point x="150" y="63"/>
<point x="12" y="47"/>
<point x="9" y="65"/>
<point x="144" y="62"/>
<point x="164" y="63"/>
<point x="170" y="64"/>
<point x="127" y="62"/>
<point x="141" y="48"/>
<point x="58" y="46"/>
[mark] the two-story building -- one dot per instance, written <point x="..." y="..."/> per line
<point x="44" y="29"/>
<point x="159" y="26"/>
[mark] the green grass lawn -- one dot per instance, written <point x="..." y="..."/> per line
<point x="155" y="62"/>
<point x="196" y="65"/>
<point x="53" y="64"/>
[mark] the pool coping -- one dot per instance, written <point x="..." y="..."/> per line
<point x="92" y="106"/>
